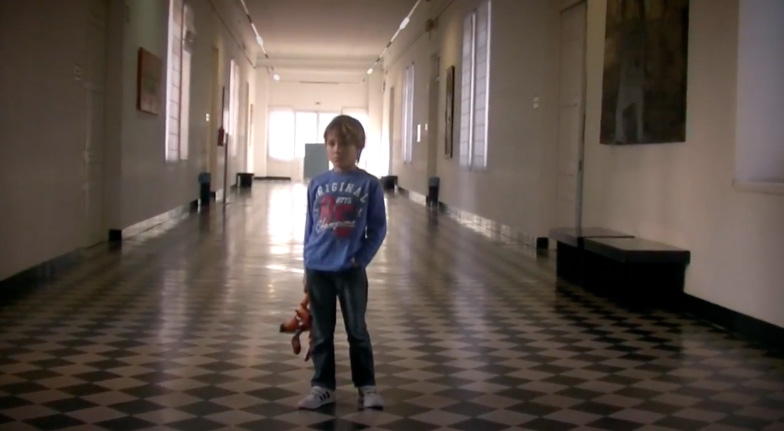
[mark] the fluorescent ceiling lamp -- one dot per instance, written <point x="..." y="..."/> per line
<point x="404" y="23"/>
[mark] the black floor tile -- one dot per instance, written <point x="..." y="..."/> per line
<point x="543" y="424"/>
<point x="191" y="311"/>
<point x="613" y="424"/>
<point x="126" y="423"/>
<point x="409" y="425"/>
<point x="54" y="422"/>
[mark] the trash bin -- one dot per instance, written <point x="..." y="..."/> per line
<point x="245" y="180"/>
<point x="433" y="184"/>
<point x="204" y="188"/>
<point x="389" y="182"/>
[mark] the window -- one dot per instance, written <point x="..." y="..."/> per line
<point x="233" y="122"/>
<point x="474" y="88"/>
<point x="408" y="114"/>
<point x="281" y="134"/>
<point x="306" y="131"/>
<point x="178" y="80"/>
<point x="185" y="98"/>
<point x="290" y="130"/>
<point x="324" y="119"/>
<point x="249" y="130"/>
<point x="759" y="129"/>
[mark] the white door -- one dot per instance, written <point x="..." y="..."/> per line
<point x="211" y="148"/>
<point x="94" y="80"/>
<point x="431" y="127"/>
<point x="570" y="116"/>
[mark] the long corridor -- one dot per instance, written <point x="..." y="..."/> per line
<point x="178" y="330"/>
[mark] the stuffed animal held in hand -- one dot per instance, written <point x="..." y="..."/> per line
<point x="299" y="323"/>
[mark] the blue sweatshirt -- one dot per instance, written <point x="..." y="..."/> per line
<point x="346" y="220"/>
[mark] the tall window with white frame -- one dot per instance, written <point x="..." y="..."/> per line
<point x="178" y="77"/>
<point x="234" y="108"/>
<point x="474" y="88"/>
<point x="290" y="130"/>
<point x="408" y="114"/>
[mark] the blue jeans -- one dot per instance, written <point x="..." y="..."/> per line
<point x="351" y="289"/>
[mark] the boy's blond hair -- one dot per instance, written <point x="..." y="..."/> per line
<point x="347" y="130"/>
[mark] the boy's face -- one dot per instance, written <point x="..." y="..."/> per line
<point x="342" y="154"/>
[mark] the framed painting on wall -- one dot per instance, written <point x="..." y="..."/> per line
<point x="450" y="112"/>
<point x="645" y="71"/>
<point x="148" y="84"/>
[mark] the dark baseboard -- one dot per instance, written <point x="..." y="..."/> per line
<point x="22" y="282"/>
<point x="763" y="334"/>
<point x="498" y="230"/>
<point x="272" y="178"/>
<point x="117" y="235"/>
<point x="25" y="281"/>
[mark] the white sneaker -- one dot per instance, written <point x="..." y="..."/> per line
<point x="317" y="397"/>
<point x="369" y="398"/>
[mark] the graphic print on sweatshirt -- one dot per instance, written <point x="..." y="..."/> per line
<point x="339" y="206"/>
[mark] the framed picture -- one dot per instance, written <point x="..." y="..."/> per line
<point x="450" y="113"/>
<point x="148" y="84"/>
<point x="645" y="72"/>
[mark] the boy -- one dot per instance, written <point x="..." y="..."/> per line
<point x="344" y="228"/>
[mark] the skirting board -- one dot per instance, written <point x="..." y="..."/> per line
<point x="766" y="335"/>
<point x="482" y="225"/>
<point x="272" y="178"/>
<point x="756" y="331"/>
<point x="21" y="282"/>
<point x="174" y="214"/>
<point x="44" y="272"/>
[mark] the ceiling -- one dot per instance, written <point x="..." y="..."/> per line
<point x="317" y="33"/>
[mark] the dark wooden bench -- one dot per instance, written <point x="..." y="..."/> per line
<point x="569" y="249"/>
<point x="635" y="270"/>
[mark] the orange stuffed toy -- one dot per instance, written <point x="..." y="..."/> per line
<point x="299" y="323"/>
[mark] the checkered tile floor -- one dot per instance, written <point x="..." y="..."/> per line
<point x="177" y="330"/>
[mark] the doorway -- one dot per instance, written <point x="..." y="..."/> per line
<point x="431" y="127"/>
<point x="94" y="81"/>
<point x="216" y="121"/>
<point x="571" y="116"/>
<point x="249" y="150"/>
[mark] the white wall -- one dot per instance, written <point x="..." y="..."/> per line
<point x="376" y="153"/>
<point x="149" y="186"/>
<point x="524" y="36"/>
<point x="44" y="119"/>
<point x="42" y="131"/>
<point x="682" y="194"/>
<point x="299" y="94"/>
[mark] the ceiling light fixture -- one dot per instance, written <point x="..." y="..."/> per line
<point x="402" y="26"/>
<point x="259" y="40"/>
